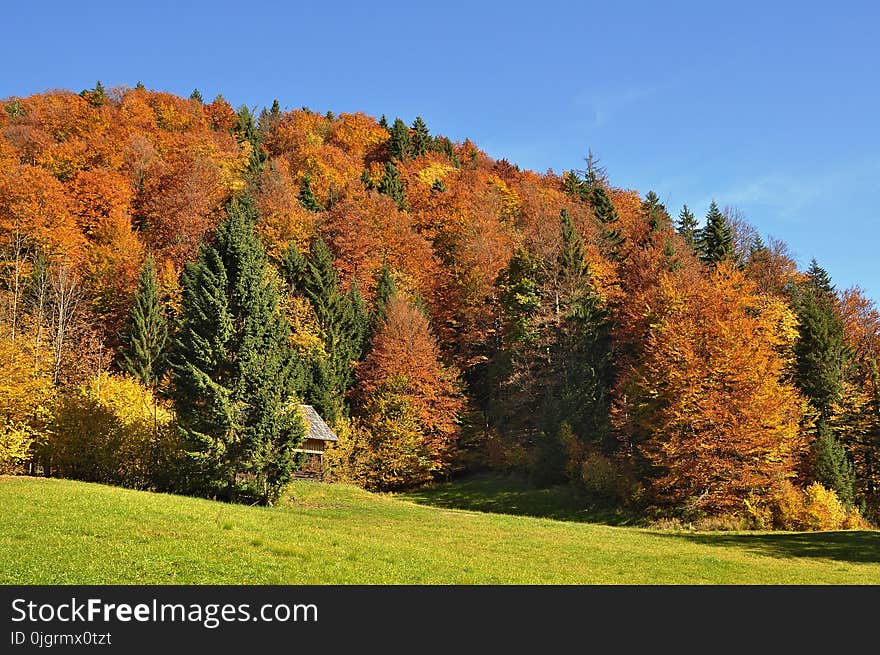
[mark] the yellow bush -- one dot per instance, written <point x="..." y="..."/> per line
<point x="813" y="508"/>
<point x="25" y="403"/>
<point x="15" y="445"/>
<point x="823" y="510"/>
<point x="112" y="430"/>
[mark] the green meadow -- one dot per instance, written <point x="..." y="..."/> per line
<point x="473" y="532"/>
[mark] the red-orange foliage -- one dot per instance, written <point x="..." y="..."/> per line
<point x="365" y="229"/>
<point x="403" y="374"/>
<point x="332" y="151"/>
<point x="706" y="405"/>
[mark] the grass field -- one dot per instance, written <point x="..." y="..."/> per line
<point x="65" y="532"/>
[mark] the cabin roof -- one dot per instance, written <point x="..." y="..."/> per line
<point x="318" y="429"/>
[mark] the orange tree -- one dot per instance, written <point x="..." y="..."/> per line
<point x="707" y="404"/>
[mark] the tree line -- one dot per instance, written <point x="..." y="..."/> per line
<point x="178" y="276"/>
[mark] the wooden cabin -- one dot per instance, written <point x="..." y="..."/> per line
<point x="318" y="436"/>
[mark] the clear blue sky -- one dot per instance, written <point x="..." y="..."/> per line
<point x="769" y="107"/>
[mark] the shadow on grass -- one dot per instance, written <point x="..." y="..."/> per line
<point x="512" y="495"/>
<point x="847" y="546"/>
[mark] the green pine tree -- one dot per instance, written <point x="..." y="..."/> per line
<point x="594" y="175"/>
<point x="758" y="248"/>
<point x="444" y="145"/>
<point x="832" y="467"/>
<point x="95" y="97"/>
<point x="655" y="212"/>
<point x="385" y="291"/>
<point x="571" y="362"/>
<point x="715" y="242"/>
<point x="581" y="393"/>
<point x="307" y="197"/>
<point x="687" y="226"/>
<point x="819" y="282"/>
<point x="341" y="318"/>
<point x="605" y="212"/>
<point x="571" y="258"/>
<point x="143" y="342"/>
<point x="420" y="142"/>
<point x="383" y="123"/>
<point x="573" y="185"/>
<point x="246" y="130"/>
<point x="392" y="186"/>
<point x="670" y="256"/>
<point x="197" y="96"/>
<point x="399" y="144"/>
<point x="360" y="320"/>
<point x="140" y="86"/>
<point x="820" y="350"/>
<point x="234" y="373"/>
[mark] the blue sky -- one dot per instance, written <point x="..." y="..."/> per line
<point x="771" y="109"/>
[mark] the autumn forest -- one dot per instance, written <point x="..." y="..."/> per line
<point x="177" y="276"/>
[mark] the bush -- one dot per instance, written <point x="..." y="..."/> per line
<point x="15" y="445"/>
<point x="823" y="509"/>
<point x="26" y="398"/>
<point x="111" y="430"/>
<point x="390" y="455"/>
<point x="603" y="478"/>
<point x="814" y="508"/>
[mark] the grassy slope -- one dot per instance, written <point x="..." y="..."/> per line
<point x="63" y="532"/>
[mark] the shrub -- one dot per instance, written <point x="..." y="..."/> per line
<point x="603" y="478"/>
<point x="823" y="509"/>
<point x="111" y="430"/>
<point x="15" y="445"/>
<point x="26" y="397"/>
<point x="813" y="508"/>
<point x="389" y="455"/>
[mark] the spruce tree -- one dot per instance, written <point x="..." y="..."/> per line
<point x="594" y="175"/>
<point x="606" y="214"/>
<point x="385" y="291"/>
<point x="360" y="321"/>
<point x="246" y="131"/>
<point x="197" y="96"/>
<point x="392" y="186"/>
<point x="819" y="282"/>
<point x="420" y="141"/>
<point x="444" y="145"/>
<point x="573" y="388"/>
<point x="757" y="249"/>
<point x="234" y="373"/>
<point x="571" y="254"/>
<point x="716" y="238"/>
<point x="383" y="123"/>
<point x="687" y="226"/>
<point x="573" y="185"/>
<point x="820" y="350"/>
<point x="583" y="379"/>
<point x="307" y="197"/>
<point x="655" y="212"/>
<point x="342" y="319"/>
<point x="670" y="257"/>
<point x="399" y="144"/>
<point x="832" y="467"/>
<point x="143" y="343"/>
